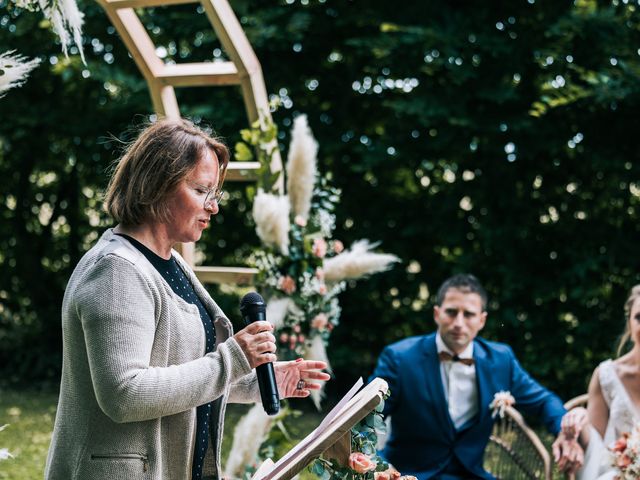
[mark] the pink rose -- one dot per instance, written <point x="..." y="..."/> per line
<point x="300" y="221"/>
<point x="287" y="284"/>
<point x="319" y="273"/>
<point x="293" y="338"/>
<point x="319" y="248"/>
<point x="361" y="463"/>
<point x="320" y="321"/>
<point x="284" y="338"/>
<point x="338" y="246"/>
<point x="301" y="338"/>
<point x="322" y="289"/>
<point x="390" y="474"/>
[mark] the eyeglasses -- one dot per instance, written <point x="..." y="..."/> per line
<point x="210" y="194"/>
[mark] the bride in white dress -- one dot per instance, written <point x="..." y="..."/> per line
<point x="613" y="407"/>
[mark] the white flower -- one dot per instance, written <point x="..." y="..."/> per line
<point x="4" y="454"/>
<point x="501" y="400"/>
<point x="14" y="70"/>
<point x="357" y="262"/>
<point x="301" y="167"/>
<point x="271" y="214"/>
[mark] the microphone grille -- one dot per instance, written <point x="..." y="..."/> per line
<point x="251" y="298"/>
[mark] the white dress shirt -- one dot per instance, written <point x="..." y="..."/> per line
<point x="460" y="387"/>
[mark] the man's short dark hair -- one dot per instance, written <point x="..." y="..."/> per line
<point x="466" y="283"/>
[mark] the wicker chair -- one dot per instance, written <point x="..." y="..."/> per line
<point x="579" y="401"/>
<point x="515" y="452"/>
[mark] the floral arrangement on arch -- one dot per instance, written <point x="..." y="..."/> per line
<point x="302" y="267"/>
<point x="625" y="454"/>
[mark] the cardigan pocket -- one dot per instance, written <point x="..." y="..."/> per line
<point x="127" y="457"/>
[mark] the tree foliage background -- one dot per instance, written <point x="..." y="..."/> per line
<point x="496" y="137"/>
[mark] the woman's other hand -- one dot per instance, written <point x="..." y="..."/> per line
<point x="257" y="342"/>
<point x="298" y="377"/>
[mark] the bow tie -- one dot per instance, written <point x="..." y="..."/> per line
<point x="447" y="357"/>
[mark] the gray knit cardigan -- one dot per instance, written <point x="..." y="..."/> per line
<point x="134" y="370"/>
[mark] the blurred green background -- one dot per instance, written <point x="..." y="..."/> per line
<point x="499" y="138"/>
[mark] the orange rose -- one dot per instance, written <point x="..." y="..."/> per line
<point x="623" y="461"/>
<point x="381" y="476"/>
<point x="287" y="284"/>
<point x="361" y="463"/>
<point x="620" y="445"/>
<point x="320" y="321"/>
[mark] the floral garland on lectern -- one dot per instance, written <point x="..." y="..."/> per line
<point x="301" y="267"/>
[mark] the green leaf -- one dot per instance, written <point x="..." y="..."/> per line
<point x="243" y="152"/>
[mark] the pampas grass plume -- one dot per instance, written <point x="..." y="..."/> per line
<point x="250" y="432"/>
<point x="277" y="309"/>
<point x="15" y="70"/>
<point x="357" y="262"/>
<point x="271" y="214"/>
<point x="301" y="167"/>
<point x="317" y="351"/>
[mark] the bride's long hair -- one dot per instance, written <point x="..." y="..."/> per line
<point x="626" y="336"/>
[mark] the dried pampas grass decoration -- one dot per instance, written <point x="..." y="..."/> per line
<point x="271" y="214"/>
<point x="66" y="21"/>
<point x="357" y="262"/>
<point x="317" y="351"/>
<point x="250" y="432"/>
<point x="301" y="167"/>
<point x="14" y="70"/>
<point x="277" y="309"/>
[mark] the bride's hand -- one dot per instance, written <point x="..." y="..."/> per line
<point x="573" y="422"/>
<point x="567" y="453"/>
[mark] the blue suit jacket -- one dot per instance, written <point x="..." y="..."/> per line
<point x="423" y="438"/>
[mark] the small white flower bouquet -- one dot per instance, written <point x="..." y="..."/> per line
<point x="501" y="400"/>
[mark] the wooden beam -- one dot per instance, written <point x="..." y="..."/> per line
<point x="232" y="275"/>
<point x="242" y="171"/>
<point x="202" y="74"/>
<point x="146" y="3"/>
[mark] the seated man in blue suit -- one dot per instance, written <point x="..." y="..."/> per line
<point x="442" y="384"/>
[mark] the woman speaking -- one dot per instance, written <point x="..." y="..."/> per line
<point x="149" y="360"/>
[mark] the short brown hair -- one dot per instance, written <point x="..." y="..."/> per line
<point x="465" y="283"/>
<point x="164" y="153"/>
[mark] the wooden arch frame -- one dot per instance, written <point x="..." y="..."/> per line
<point x="243" y="69"/>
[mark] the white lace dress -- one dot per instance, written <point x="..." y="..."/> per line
<point x="623" y="415"/>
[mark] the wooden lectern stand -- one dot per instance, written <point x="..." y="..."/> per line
<point x="332" y="437"/>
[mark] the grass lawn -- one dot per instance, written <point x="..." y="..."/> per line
<point x="30" y="416"/>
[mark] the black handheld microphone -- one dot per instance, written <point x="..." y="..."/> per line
<point x="253" y="309"/>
